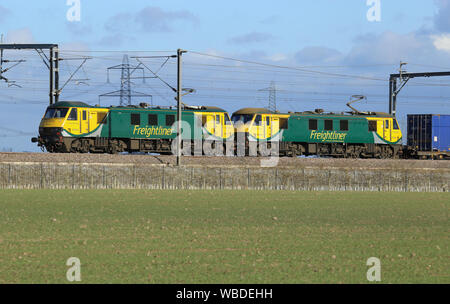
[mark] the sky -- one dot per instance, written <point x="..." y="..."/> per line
<point x="317" y="53"/>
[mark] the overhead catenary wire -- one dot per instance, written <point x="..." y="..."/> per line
<point x="240" y="81"/>
<point x="289" y="67"/>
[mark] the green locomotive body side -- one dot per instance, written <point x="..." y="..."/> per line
<point x="144" y="124"/>
<point x="341" y="129"/>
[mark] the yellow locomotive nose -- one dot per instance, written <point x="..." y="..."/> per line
<point x="52" y="123"/>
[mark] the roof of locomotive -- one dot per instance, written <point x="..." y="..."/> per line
<point x="78" y="104"/>
<point x="247" y="111"/>
<point x="70" y="104"/>
<point x="343" y="114"/>
<point x="318" y="113"/>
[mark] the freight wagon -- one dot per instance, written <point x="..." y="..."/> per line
<point x="428" y="136"/>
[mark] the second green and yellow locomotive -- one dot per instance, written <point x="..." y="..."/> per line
<point x="327" y="134"/>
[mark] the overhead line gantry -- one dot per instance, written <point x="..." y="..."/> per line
<point x="51" y="61"/>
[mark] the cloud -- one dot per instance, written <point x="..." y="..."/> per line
<point x="318" y="55"/>
<point x="387" y="47"/>
<point x="119" y="22"/>
<point x="278" y="57"/>
<point x="4" y="13"/>
<point x="149" y="19"/>
<point x="154" y="19"/>
<point x="442" y="18"/>
<point x="425" y="45"/>
<point x="23" y="35"/>
<point x="254" y="37"/>
<point x="442" y="42"/>
<point x="418" y="47"/>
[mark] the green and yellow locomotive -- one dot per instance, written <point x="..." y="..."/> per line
<point x="75" y="127"/>
<point x="353" y="135"/>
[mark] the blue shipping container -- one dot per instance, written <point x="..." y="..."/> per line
<point x="441" y="132"/>
<point x="429" y="132"/>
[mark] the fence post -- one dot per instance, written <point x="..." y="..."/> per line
<point x="9" y="176"/>
<point x="276" y="179"/>
<point x="163" y="177"/>
<point x="134" y="177"/>
<point x="406" y="181"/>
<point x="104" y="177"/>
<point x="220" y="178"/>
<point x="42" y="176"/>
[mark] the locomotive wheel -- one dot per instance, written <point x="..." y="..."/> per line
<point x="387" y="152"/>
<point x="84" y="147"/>
<point x="352" y="152"/>
<point x="113" y="149"/>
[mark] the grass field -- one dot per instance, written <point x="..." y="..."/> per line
<point x="223" y="236"/>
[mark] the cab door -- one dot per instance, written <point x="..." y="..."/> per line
<point x="396" y="132"/>
<point x="387" y="129"/>
<point x="208" y="124"/>
<point x="72" y="124"/>
<point x="84" y="122"/>
<point x="258" y="126"/>
<point x="218" y="126"/>
<point x="93" y="120"/>
<point x="275" y="126"/>
<point x="229" y="128"/>
<point x="268" y="127"/>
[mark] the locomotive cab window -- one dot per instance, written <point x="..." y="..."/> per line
<point x="73" y="114"/>
<point x="56" y="113"/>
<point x="258" y="120"/>
<point x="102" y="118"/>
<point x="170" y="120"/>
<point x="328" y="125"/>
<point x="396" y="127"/>
<point x="283" y="123"/>
<point x="244" y="118"/>
<point x="61" y="113"/>
<point x="373" y="126"/>
<point x="136" y="119"/>
<point x="344" y="125"/>
<point x="84" y="115"/>
<point x="313" y="124"/>
<point x="387" y="124"/>
<point x="152" y="119"/>
<point x="227" y="119"/>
